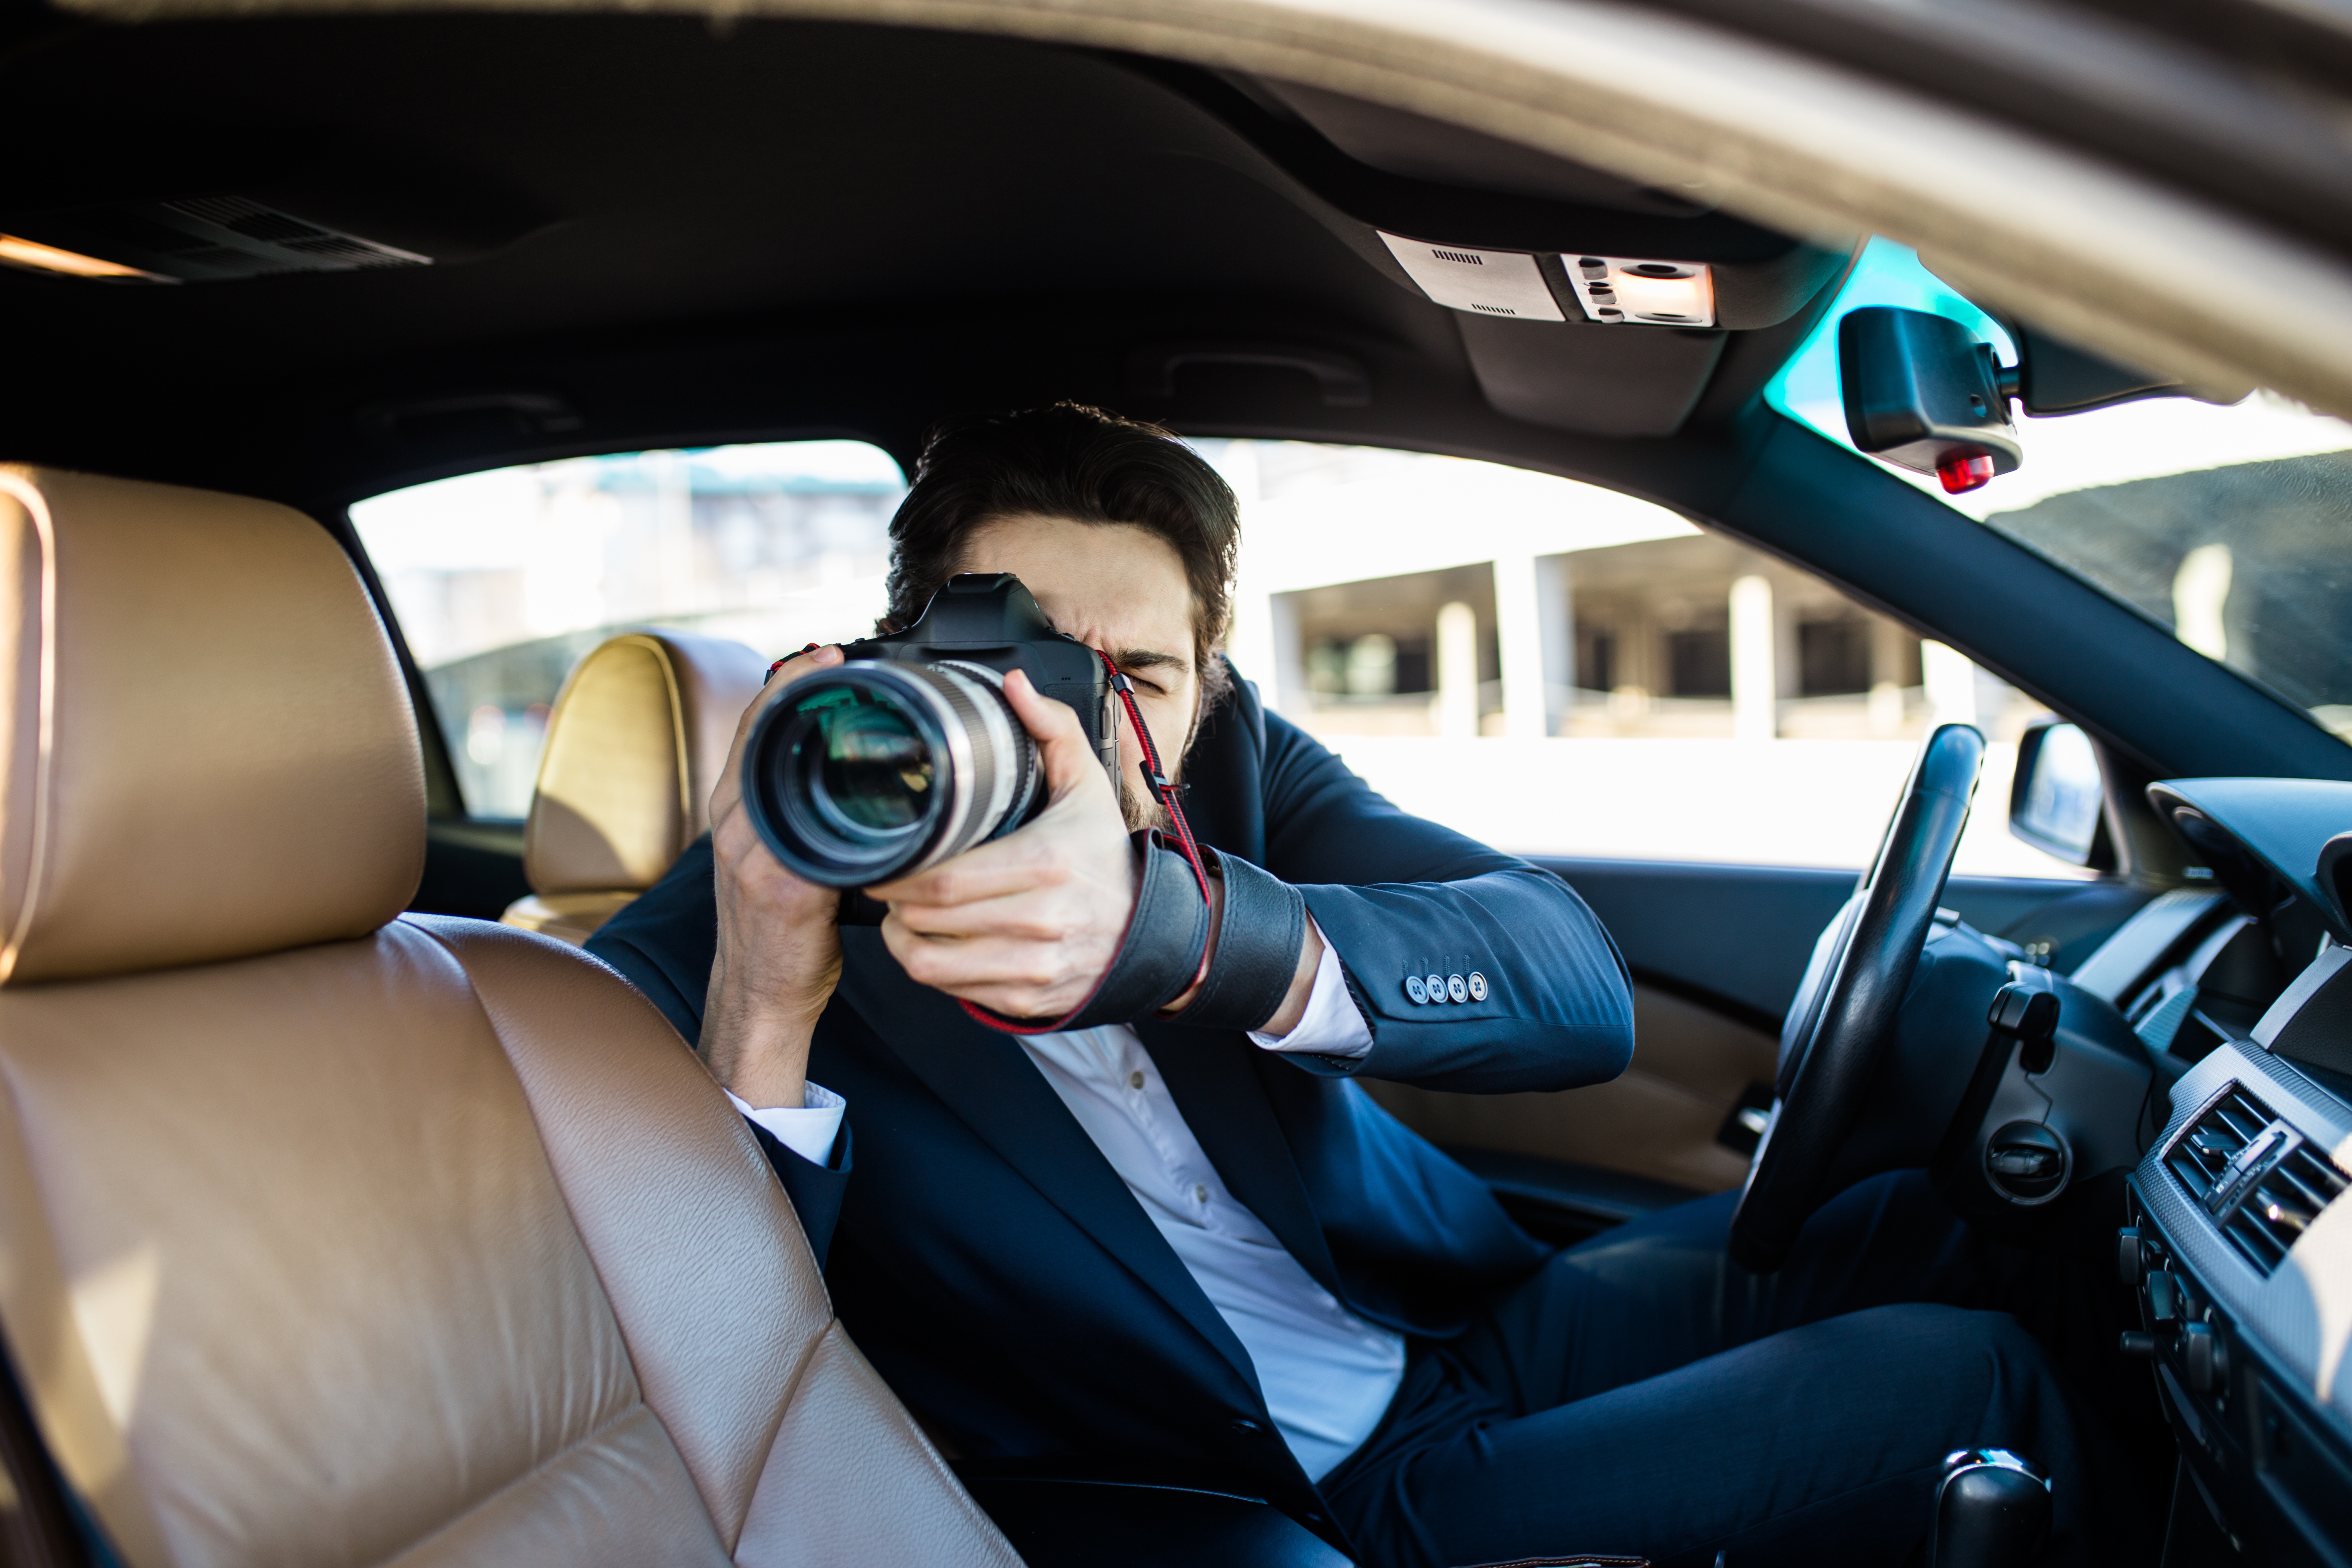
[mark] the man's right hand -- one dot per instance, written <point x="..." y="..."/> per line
<point x="779" y="942"/>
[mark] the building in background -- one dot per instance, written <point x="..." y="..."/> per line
<point x="1558" y="668"/>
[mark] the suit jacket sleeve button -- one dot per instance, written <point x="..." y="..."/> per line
<point x="1477" y="986"/>
<point x="1416" y="988"/>
<point x="1435" y="984"/>
<point x="1457" y="989"/>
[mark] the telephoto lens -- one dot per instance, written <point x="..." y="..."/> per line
<point x="874" y="771"/>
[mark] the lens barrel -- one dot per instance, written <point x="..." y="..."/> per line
<point x="875" y="770"/>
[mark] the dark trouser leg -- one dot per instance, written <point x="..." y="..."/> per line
<point x="1817" y="1445"/>
<point x="1657" y="1296"/>
<point x="1659" y="1293"/>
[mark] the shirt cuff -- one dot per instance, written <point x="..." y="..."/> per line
<point x="809" y="1131"/>
<point x="1331" y="1027"/>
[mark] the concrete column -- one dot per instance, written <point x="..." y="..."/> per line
<point x="1886" y="673"/>
<point x="1537" y="642"/>
<point x="1457" y="672"/>
<point x="1951" y="682"/>
<point x="1249" y="644"/>
<point x="1755" y="678"/>
<point x="1285" y="674"/>
<point x="674" y="531"/>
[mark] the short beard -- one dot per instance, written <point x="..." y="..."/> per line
<point x="1140" y="810"/>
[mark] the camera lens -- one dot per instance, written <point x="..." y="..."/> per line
<point x="873" y="771"/>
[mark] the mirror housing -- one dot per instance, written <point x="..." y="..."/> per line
<point x="2057" y="799"/>
<point x="1922" y="393"/>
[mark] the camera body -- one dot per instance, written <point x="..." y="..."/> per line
<point x="989" y="619"/>
<point x="908" y="753"/>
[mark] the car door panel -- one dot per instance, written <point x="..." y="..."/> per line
<point x="1658" y="1118"/>
<point x="1717" y="953"/>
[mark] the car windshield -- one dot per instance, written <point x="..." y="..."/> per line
<point x="2231" y="525"/>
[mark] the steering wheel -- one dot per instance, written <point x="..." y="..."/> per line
<point x="1843" y="1020"/>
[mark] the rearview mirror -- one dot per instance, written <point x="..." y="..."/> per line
<point x="2056" y="798"/>
<point x="1922" y="393"/>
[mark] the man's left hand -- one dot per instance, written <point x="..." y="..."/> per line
<point x="1025" y="925"/>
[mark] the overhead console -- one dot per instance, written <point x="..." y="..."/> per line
<point x="2238" y="1243"/>
<point x="1586" y="302"/>
<point x="1607" y="290"/>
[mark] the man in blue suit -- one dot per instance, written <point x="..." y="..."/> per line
<point x="1205" y="1246"/>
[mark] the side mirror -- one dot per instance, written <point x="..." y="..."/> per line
<point x="1922" y="393"/>
<point x="2056" y="801"/>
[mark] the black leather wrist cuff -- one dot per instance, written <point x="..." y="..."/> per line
<point x="1157" y="959"/>
<point x="1259" y="933"/>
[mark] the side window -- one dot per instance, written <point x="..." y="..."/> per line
<point x="1557" y="669"/>
<point x="502" y="580"/>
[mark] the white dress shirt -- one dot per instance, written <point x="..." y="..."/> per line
<point x="1327" y="1373"/>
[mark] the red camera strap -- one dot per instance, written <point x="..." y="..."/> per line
<point x="785" y="661"/>
<point x="1156" y="779"/>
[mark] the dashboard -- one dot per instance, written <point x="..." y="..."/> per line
<point x="2240" y="1251"/>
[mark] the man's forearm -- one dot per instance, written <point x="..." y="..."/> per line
<point x="755" y="1054"/>
<point x="1302" y="979"/>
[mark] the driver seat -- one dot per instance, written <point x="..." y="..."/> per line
<point x="332" y="1235"/>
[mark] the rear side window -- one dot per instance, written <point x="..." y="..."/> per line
<point x="502" y="580"/>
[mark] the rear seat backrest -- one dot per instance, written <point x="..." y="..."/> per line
<point x="634" y="744"/>
<point x="325" y="1240"/>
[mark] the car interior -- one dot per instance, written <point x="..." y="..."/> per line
<point x="352" y="1215"/>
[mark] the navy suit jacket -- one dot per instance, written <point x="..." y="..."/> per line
<point x="995" y="1268"/>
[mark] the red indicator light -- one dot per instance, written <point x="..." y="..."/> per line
<point x="1962" y="474"/>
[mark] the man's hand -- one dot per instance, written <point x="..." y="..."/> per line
<point x="1027" y="924"/>
<point x="779" y="942"/>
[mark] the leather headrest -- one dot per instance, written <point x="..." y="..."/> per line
<point x="636" y="741"/>
<point x="211" y="752"/>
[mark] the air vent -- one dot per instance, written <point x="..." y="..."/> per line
<point x="2259" y="1179"/>
<point x="2202" y="1157"/>
<point x="2282" y="1204"/>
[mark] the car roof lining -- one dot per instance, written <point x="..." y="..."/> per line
<point x="794" y="228"/>
<point x="2034" y="214"/>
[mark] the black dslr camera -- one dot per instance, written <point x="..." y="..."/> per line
<point x="908" y="753"/>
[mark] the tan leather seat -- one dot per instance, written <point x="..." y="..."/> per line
<point x="330" y="1235"/>
<point x="638" y="735"/>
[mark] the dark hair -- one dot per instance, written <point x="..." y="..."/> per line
<point x="1075" y="462"/>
